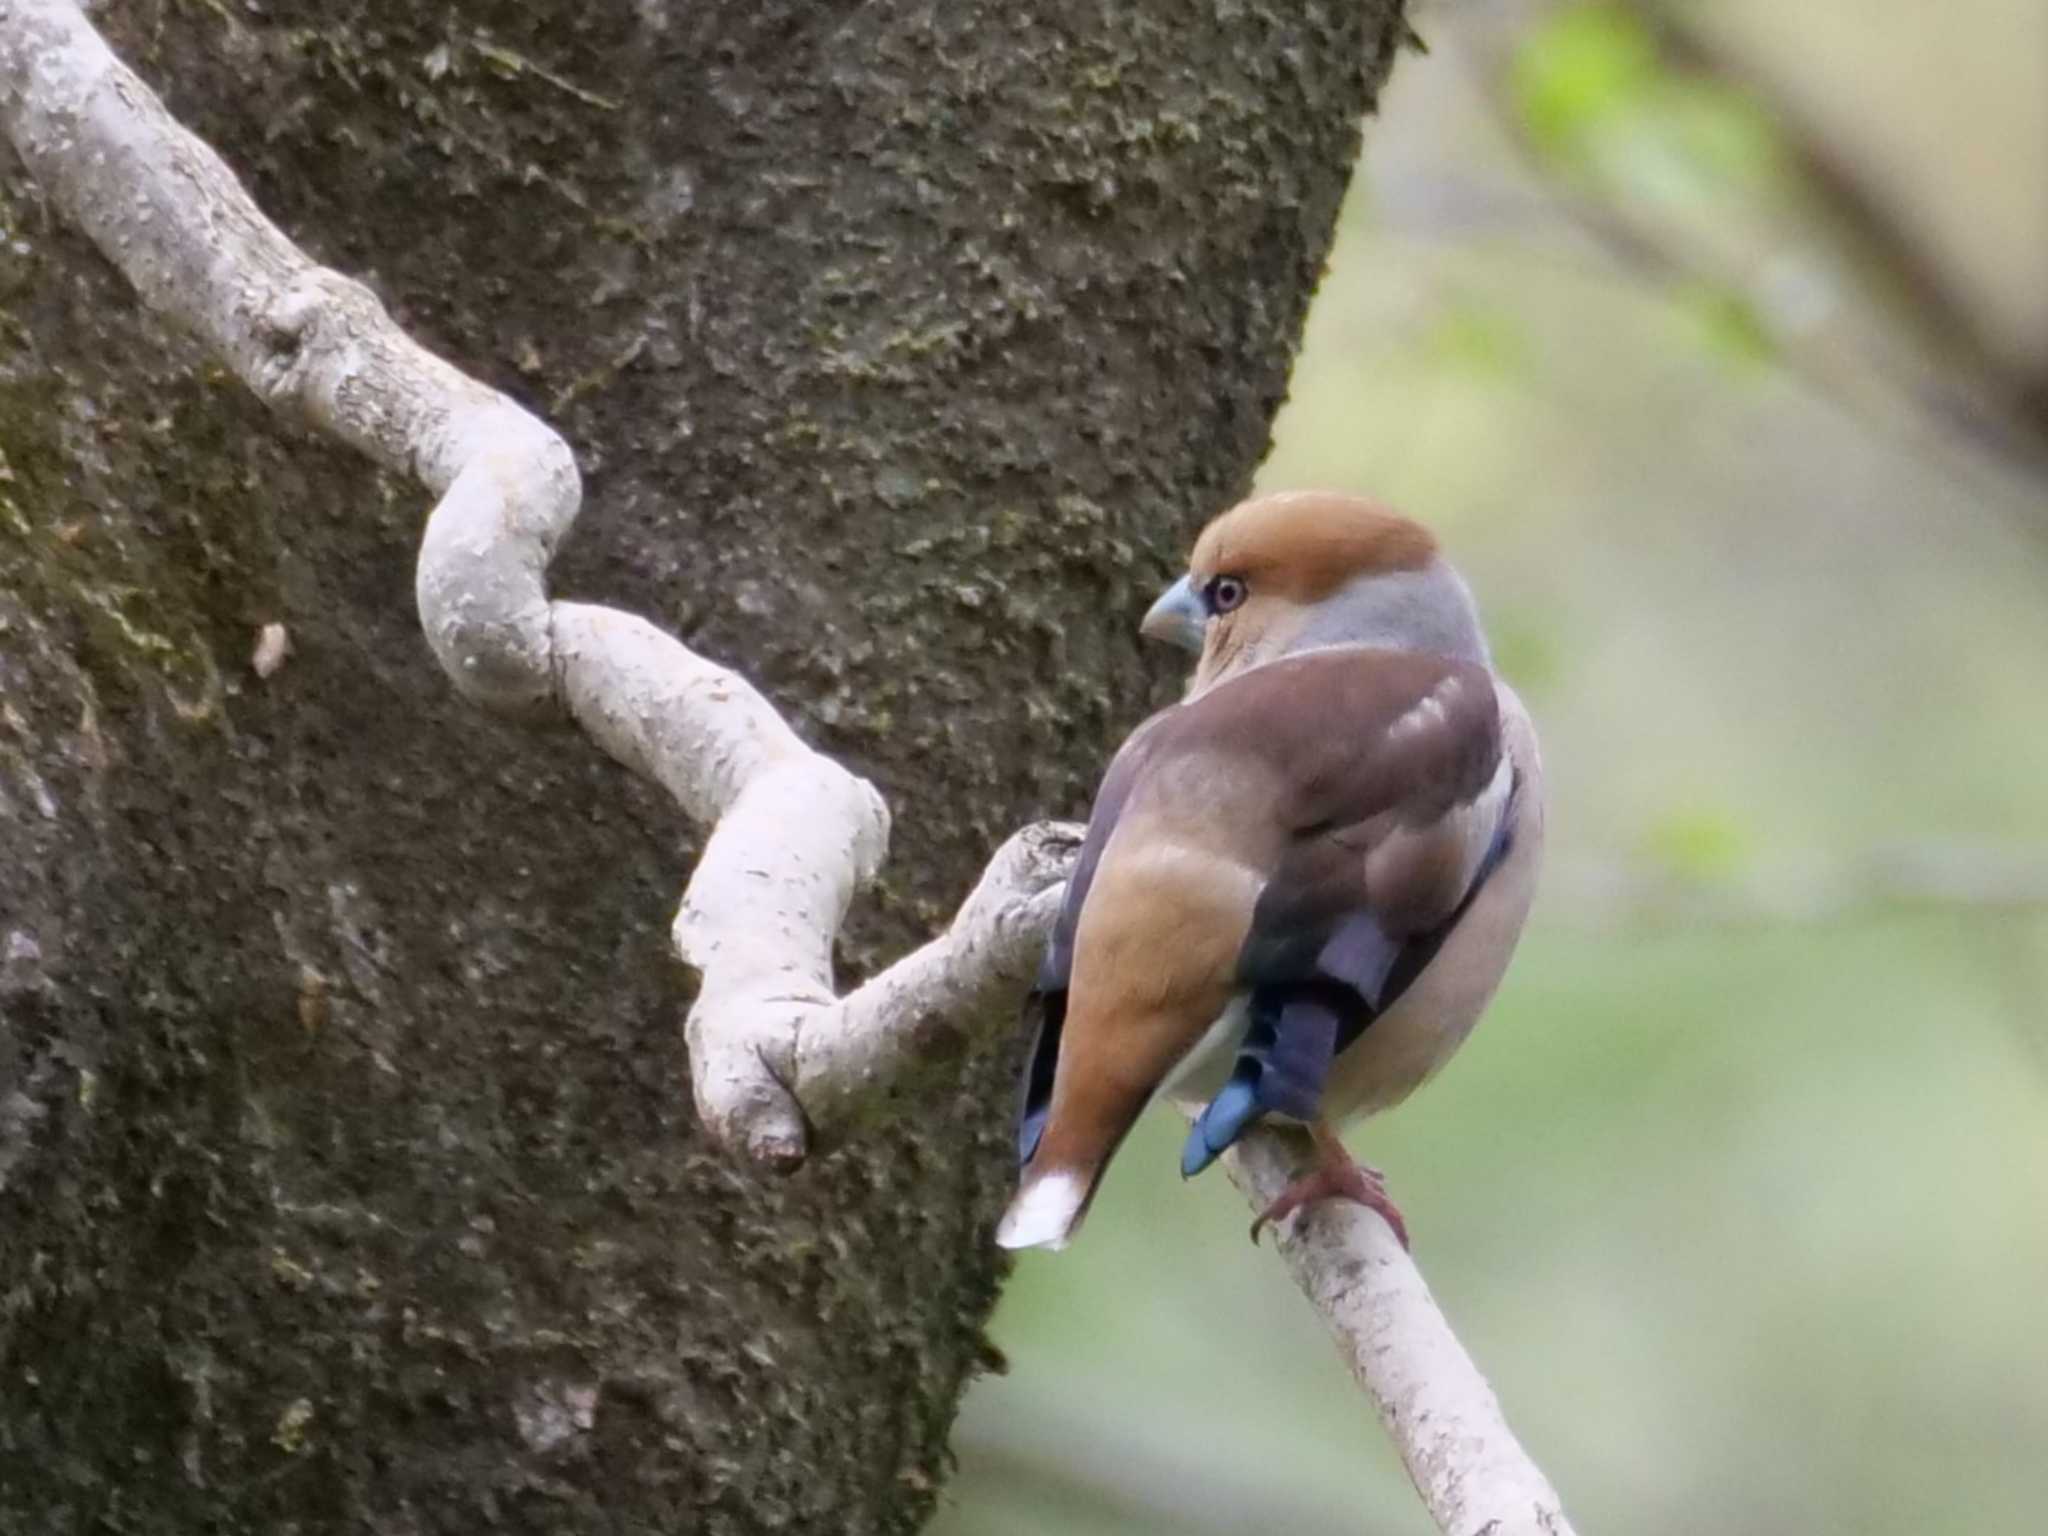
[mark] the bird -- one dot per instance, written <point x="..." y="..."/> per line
<point x="1300" y="885"/>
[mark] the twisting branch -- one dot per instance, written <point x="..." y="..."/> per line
<point x="777" y="1060"/>
<point x="768" y="895"/>
<point x="913" y="1015"/>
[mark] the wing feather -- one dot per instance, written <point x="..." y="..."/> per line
<point x="1365" y="789"/>
<point x="1397" y="817"/>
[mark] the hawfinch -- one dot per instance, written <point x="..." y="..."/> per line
<point x="1300" y="885"/>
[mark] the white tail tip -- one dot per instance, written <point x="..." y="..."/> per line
<point x="1044" y="1212"/>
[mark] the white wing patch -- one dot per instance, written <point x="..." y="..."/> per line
<point x="1430" y="711"/>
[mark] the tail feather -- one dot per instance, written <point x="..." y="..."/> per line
<point x="1046" y="1210"/>
<point x="1100" y="1079"/>
<point x="1047" y="1007"/>
<point x="1074" y="1139"/>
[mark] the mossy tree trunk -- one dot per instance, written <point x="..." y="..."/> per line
<point x="348" y="1178"/>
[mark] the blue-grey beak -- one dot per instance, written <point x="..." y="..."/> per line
<point x="1179" y="617"/>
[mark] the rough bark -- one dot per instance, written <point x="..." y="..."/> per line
<point x="350" y="1176"/>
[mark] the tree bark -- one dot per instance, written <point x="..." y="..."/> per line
<point x="348" y="1173"/>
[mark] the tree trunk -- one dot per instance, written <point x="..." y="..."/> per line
<point x="348" y="1177"/>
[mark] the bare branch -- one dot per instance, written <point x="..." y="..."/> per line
<point x="766" y="900"/>
<point x="1472" y="1473"/>
<point x="913" y="1018"/>
<point x="774" y="1054"/>
<point x="770" y="890"/>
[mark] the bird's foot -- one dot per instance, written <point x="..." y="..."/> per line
<point x="1336" y="1178"/>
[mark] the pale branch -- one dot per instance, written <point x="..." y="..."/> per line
<point x="776" y="1058"/>
<point x="766" y="899"/>
<point x="1472" y="1473"/>
<point x="914" y="1018"/>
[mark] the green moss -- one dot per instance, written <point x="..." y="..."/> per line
<point x="74" y="567"/>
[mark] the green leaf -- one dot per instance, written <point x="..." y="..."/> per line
<point x="1697" y="842"/>
<point x="1581" y="68"/>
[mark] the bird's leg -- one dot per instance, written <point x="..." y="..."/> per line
<point x="1336" y="1176"/>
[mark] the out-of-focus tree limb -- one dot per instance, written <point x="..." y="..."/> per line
<point x="1932" y="876"/>
<point x="2003" y="393"/>
<point x="1889" y="341"/>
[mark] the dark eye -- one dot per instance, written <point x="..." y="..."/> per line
<point x="1225" y="593"/>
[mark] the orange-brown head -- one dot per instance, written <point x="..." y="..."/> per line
<point x="1302" y="569"/>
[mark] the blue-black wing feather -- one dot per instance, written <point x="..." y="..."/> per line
<point x="1303" y="1016"/>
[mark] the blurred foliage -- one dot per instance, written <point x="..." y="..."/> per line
<point x="1581" y="69"/>
<point x="1744" y="1217"/>
<point x="1698" y="842"/>
<point x="1593" y="90"/>
<point x="1728" y="323"/>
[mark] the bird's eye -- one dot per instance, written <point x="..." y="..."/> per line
<point x="1225" y="593"/>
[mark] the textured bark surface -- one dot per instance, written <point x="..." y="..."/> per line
<point x="347" y="1172"/>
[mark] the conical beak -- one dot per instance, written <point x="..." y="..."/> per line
<point x="1179" y="617"/>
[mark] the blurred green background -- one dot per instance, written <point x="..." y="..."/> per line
<point x="1714" y="340"/>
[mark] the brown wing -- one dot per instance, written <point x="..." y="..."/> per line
<point x="1392" y="830"/>
<point x="1232" y="841"/>
<point x="1391" y="764"/>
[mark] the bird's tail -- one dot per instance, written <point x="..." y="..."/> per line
<point x="1099" y="1089"/>
<point x="1073" y="1147"/>
<point x="1047" y="1209"/>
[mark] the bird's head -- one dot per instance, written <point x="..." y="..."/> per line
<point x="1302" y="570"/>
